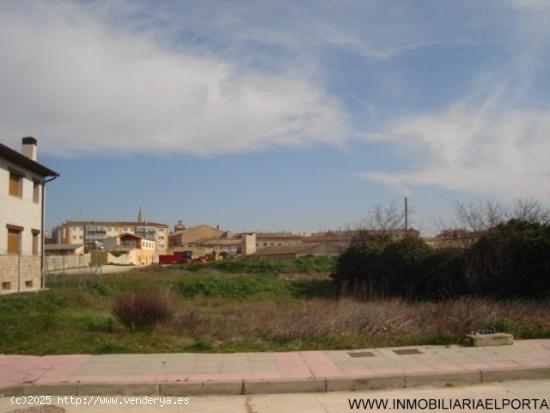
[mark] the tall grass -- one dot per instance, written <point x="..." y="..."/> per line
<point x="249" y="312"/>
<point x="306" y="265"/>
<point x="222" y="285"/>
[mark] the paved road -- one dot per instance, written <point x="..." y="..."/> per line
<point x="336" y="402"/>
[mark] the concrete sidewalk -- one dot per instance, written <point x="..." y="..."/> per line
<point x="252" y="373"/>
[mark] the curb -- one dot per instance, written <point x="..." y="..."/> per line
<point x="268" y="386"/>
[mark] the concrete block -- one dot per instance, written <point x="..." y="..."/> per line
<point x="485" y="340"/>
<point x="196" y="388"/>
<point x="57" y="389"/>
<point x="122" y="389"/>
<point x="536" y="373"/>
<point x="284" y="386"/>
<point x="364" y="383"/>
<point x="442" y="379"/>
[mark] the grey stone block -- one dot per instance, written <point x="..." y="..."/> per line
<point x="123" y="389"/>
<point x="284" y="386"/>
<point x="442" y="379"/>
<point x="485" y="340"/>
<point x="365" y="383"/>
<point x="535" y="373"/>
<point x="195" y="388"/>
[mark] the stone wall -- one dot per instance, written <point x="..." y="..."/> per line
<point x="123" y="259"/>
<point x="66" y="262"/>
<point x="19" y="273"/>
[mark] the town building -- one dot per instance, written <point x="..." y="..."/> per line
<point x="183" y="236"/>
<point x="22" y="196"/>
<point x="277" y="239"/>
<point x="455" y="238"/>
<point x="63" y="249"/>
<point x="93" y="233"/>
<point x="299" y="251"/>
<point x="205" y="239"/>
<point x="130" y="249"/>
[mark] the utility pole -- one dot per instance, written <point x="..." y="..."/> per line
<point x="406" y="215"/>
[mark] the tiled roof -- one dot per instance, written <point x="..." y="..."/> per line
<point x="277" y="235"/>
<point x="56" y="247"/>
<point x="21" y="160"/>
<point x="320" y="248"/>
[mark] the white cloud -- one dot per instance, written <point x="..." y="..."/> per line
<point x="79" y="85"/>
<point x="495" y="141"/>
<point x="480" y="147"/>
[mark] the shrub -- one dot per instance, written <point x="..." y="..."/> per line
<point x="407" y="268"/>
<point x="401" y="266"/>
<point x="356" y="272"/>
<point x="141" y="309"/>
<point x="442" y="275"/>
<point x="511" y="260"/>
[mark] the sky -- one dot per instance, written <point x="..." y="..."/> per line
<point x="279" y="115"/>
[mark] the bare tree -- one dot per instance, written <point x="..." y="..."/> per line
<point x="385" y="218"/>
<point x="531" y="211"/>
<point x="480" y="217"/>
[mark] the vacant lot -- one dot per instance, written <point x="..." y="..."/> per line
<point x="257" y="306"/>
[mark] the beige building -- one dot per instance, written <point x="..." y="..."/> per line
<point x="248" y="243"/>
<point x="182" y="236"/>
<point x="93" y="233"/>
<point x="22" y="189"/>
<point x="222" y="246"/>
<point x="277" y="239"/>
<point x="130" y="249"/>
<point x="298" y="251"/>
<point x="63" y="249"/>
<point x="205" y="239"/>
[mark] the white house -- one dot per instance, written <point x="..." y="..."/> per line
<point x="22" y="190"/>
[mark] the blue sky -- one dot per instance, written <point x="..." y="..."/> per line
<point x="279" y="115"/>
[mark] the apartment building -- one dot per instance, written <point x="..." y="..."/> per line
<point x="22" y="197"/>
<point x="94" y="233"/>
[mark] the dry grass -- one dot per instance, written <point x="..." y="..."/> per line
<point x="355" y="324"/>
<point x="294" y="313"/>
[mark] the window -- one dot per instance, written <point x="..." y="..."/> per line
<point x="28" y="284"/>
<point x="36" y="192"/>
<point x="6" y="285"/>
<point x="16" y="184"/>
<point x="35" y="241"/>
<point x="14" y="239"/>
